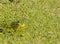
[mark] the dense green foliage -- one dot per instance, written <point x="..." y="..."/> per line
<point x="39" y="22"/>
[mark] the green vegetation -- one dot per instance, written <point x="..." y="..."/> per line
<point x="29" y="22"/>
